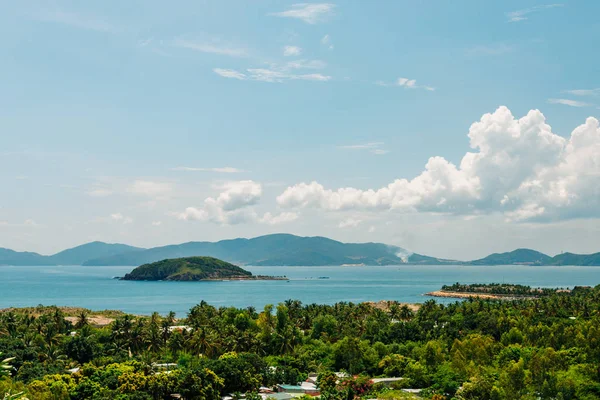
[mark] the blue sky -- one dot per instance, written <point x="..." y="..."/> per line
<point x="151" y="123"/>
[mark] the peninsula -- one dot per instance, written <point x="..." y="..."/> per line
<point x="498" y="291"/>
<point x="193" y="269"/>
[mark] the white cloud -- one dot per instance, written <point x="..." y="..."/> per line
<point x="229" y="73"/>
<point x="149" y="188"/>
<point x="223" y="170"/>
<point x="518" y="168"/>
<point x="350" y="223"/>
<point x="78" y="21"/>
<point x="280" y="73"/>
<point x="276" y="219"/>
<point x="304" y="64"/>
<point x="326" y="41"/>
<point x="584" y="92"/>
<point x="410" y="83"/>
<point x="156" y="223"/>
<point x="118" y="217"/>
<point x="521" y="15"/>
<point x="567" y="102"/>
<point x="310" y="13"/>
<point x="371" y="229"/>
<point x="289" y="51"/>
<point x="210" y="47"/>
<point x="405" y="83"/>
<point x="234" y="206"/>
<point x="228" y="206"/>
<point x="372" y="147"/>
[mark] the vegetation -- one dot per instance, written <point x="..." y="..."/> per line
<point x="187" y="269"/>
<point x="75" y="256"/>
<point x="277" y="249"/>
<point x="547" y="348"/>
<point x="519" y="256"/>
<point x="503" y="289"/>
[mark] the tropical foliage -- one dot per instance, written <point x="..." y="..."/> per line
<point x="546" y="348"/>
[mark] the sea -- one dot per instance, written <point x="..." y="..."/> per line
<point x="95" y="287"/>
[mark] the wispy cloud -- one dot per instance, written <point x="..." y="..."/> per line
<point x="225" y="170"/>
<point x="230" y="73"/>
<point x="311" y="13"/>
<point x="326" y="41"/>
<point x="584" y="92"/>
<point x="118" y="217"/>
<point x="350" y="223"/>
<point x="275" y="73"/>
<point x="405" y="83"/>
<point x="77" y="21"/>
<point x="210" y="47"/>
<point x="521" y="15"/>
<point x="372" y="147"/>
<point x="567" y="102"/>
<point x="289" y="51"/>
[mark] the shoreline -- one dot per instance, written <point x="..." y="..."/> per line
<point x="468" y="295"/>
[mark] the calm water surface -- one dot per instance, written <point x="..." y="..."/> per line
<point x="94" y="288"/>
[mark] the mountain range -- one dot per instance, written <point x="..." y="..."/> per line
<point x="278" y="250"/>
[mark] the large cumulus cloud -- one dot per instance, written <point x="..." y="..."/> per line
<point x="518" y="167"/>
<point x="233" y="206"/>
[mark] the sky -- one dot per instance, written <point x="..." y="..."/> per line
<point x="452" y="129"/>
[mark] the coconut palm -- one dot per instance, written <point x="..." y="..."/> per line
<point x="5" y="366"/>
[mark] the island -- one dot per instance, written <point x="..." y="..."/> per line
<point x="193" y="269"/>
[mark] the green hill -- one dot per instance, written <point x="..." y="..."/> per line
<point x="269" y="250"/>
<point x="519" y="256"/>
<point x="80" y="254"/>
<point x="576" y="259"/>
<point x="187" y="269"/>
<point x="75" y="256"/>
<point x="11" y="257"/>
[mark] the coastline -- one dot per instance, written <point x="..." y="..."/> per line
<point x="467" y="295"/>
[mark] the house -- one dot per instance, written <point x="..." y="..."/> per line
<point x="303" y="388"/>
<point x="180" y="328"/>
<point x="385" y="381"/>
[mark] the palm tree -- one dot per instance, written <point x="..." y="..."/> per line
<point x="5" y="366"/>
<point x="82" y="320"/>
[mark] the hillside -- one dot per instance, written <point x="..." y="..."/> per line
<point x="519" y="256"/>
<point x="187" y="269"/>
<point x="11" y="257"/>
<point x="74" y="256"/>
<point x="80" y="254"/>
<point x="278" y="249"/>
<point x="576" y="259"/>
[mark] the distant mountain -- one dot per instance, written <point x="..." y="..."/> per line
<point x="279" y="250"/>
<point x="576" y="259"/>
<point x="187" y="269"/>
<point x="519" y="256"/>
<point x="75" y="256"/>
<point x="269" y="250"/>
<point x="11" y="257"/>
<point x="80" y="254"/>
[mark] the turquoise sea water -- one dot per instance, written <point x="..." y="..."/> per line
<point x="94" y="288"/>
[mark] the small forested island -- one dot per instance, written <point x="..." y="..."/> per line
<point x="193" y="269"/>
<point x="504" y="291"/>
